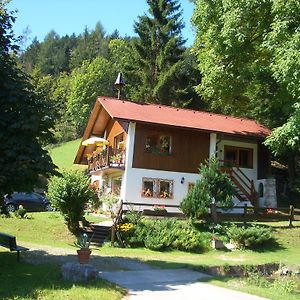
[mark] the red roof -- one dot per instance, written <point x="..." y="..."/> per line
<point x="178" y="117"/>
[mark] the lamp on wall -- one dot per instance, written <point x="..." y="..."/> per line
<point x="182" y="180"/>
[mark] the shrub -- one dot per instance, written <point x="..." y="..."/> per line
<point x="70" y="193"/>
<point x="213" y="185"/>
<point x="189" y="239"/>
<point x="166" y="234"/>
<point x="133" y="216"/>
<point x="250" y="236"/>
<point x="136" y="236"/>
<point x="21" y="212"/>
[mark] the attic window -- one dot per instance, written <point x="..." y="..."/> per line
<point x="158" y="144"/>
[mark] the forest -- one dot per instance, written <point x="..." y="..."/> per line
<point x="245" y="62"/>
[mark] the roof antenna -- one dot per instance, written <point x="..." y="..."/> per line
<point x="119" y="84"/>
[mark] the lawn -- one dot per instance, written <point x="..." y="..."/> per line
<point x="44" y="228"/>
<point x="48" y="228"/>
<point x="63" y="155"/>
<point x="25" y="281"/>
<point x="20" y="280"/>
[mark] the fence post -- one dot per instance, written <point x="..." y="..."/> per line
<point x="245" y="213"/>
<point x="213" y="212"/>
<point x="113" y="235"/>
<point x="291" y="216"/>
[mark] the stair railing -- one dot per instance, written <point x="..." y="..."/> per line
<point x="116" y="221"/>
<point x="242" y="181"/>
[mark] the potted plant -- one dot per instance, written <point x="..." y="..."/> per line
<point x="84" y="251"/>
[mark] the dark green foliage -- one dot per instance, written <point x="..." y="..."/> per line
<point x="159" y="51"/>
<point x="70" y="193"/>
<point x="21" y="212"/>
<point x="24" y="122"/>
<point x="213" y="184"/>
<point x="247" y="52"/>
<point x="90" y="44"/>
<point x="55" y="53"/>
<point x="250" y="237"/>
<point x="166" y="234"/>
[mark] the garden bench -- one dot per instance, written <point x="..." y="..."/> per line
<point x="9" y="241"/>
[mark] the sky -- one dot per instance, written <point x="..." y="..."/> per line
<point x="72" y="16"/>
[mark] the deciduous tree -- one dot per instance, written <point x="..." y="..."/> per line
<point x="87" y="82"/>
<point x="24" y="123"/>
<point x="248" y="52"/>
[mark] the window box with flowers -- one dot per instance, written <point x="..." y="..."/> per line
<point x="157" y="210"/>
<point x="157" y="188"/>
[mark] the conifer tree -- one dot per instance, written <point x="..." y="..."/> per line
<point x="159" y="51"/>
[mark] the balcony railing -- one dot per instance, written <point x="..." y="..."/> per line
<point x="107" y="158"/>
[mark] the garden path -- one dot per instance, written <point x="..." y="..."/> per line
<point x="142" y="281"/>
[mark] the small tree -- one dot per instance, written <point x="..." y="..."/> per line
<point x="212" y="186"/>
<point x="70" y="193"/>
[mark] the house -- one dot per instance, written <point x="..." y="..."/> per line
<point x="149" y="153"/>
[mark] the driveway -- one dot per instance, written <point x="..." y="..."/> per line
<point x="171" y="284"/>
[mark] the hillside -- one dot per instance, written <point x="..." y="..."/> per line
<point x="64" y="154"/>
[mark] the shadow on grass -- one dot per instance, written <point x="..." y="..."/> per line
<point x="271" y="246"/>
<point x="25" y="280"/>
<point x="42" y="275"/>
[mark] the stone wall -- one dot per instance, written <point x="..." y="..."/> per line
<point x="267" y="198"/>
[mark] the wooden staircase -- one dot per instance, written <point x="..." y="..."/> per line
<point x="244" y="186"/>
<point x="97" y="233"/>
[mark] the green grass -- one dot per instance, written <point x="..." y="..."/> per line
<point x="48" y="228"/>
<point x="244" y="286"/>
<point x="20" y="280"/>
<point x="44" y="228"/>
<point x="63" y="155"/>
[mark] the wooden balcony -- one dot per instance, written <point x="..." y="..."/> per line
<point x="108" y="158"/>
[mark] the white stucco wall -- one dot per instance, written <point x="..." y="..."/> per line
<point x="134" y="185"/>
<point x="129" y="158"/>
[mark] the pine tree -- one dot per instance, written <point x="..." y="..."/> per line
<point x="159" y="51"/>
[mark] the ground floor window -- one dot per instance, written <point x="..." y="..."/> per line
<point x="157" y="188"/>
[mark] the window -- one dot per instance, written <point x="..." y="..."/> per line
<point x="158" y="144"/>
<point x="157" y="188"/>
<point x="148" y="188"/>
<point x="238" y="157"/>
